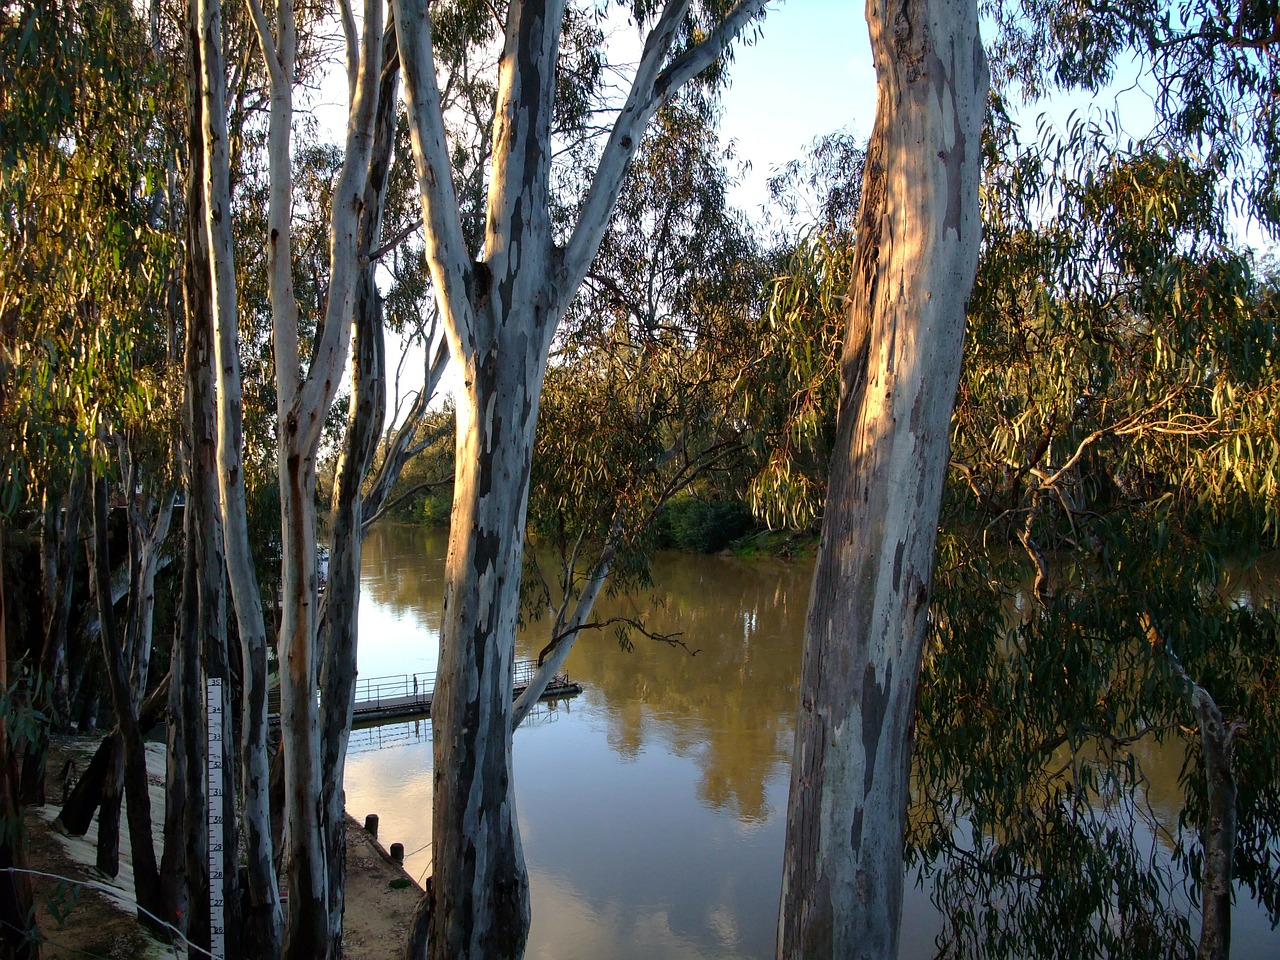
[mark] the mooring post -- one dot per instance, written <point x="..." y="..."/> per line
<point x="397" y="853"/>
<point x="371" y="825"/>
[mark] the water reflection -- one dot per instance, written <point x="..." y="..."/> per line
<point x="652" y="807"/>
<point x="402" y="595"/>
<point x="726" y="700"/>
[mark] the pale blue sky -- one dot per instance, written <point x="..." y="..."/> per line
<point x="809" y="72"/>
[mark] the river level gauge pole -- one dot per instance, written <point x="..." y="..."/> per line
<point x="217" y="908"/>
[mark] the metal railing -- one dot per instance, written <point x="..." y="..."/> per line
<point x="418" y="687"/>
<point x="374" y="691"/>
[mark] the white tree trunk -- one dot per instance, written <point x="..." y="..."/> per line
<point x="301" y="408"/>
<point x="339" y="628"/>
<point x="917" y="247"/>
<point x="1218" y="834"/>
<point x="263" y="917"/>
<point x="1218" y="837"/>
<point x="500" y="316"/>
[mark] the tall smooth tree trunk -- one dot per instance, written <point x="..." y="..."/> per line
<point x="263" y="914"/>
<point x="179" y="762"/>
<point x="481" y="886"/>
<point x="500" y="315"/>
<point x="184" y="861"/>
<point x="364" y="426"/>
<point x="916" y="253"/>
<point x="301" y="408"/>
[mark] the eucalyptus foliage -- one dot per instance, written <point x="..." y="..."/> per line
<point x="636" y="403"/>
<point x="1115" y="463"/>
<point x="1115" y="430"/>
<point x="86" y="264"/>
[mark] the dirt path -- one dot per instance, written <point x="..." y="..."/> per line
<point x="77" y="921"/>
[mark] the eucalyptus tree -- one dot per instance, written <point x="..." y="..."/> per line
<point x="323" y="227"/>
<point x="1213" y="73"/>
<point x="359" y="493"/>
<point x="1209" y="70"/>
<point x="501" y="303"/>
<point x="302" y="408"/>
<point x="86" y="267"/>
<point x="88" y="281"/>
<point x="1116" y="414"/>
<point x="916" y="250"/>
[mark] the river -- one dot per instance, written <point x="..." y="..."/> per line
<point x="652" y="807"/>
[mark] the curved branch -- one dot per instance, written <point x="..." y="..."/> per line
<point x="652" y="87"/>
<point x="446" y="249"/>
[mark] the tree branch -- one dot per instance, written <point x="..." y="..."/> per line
<point x="446" y="249"/>
<point x="652" y="87"/>
<point x="330" y="355"/>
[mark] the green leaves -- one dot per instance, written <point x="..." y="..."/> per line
<point x="1210" y="71"/>
<point x="87" y="271"/>
<point x="797" y="379"/>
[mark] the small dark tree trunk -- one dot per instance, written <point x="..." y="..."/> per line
<point x="77" y="812"/>
<point x="109" y="800"/>
<point x="146" y="872"/>
<point x="60" y="555"/>
<point x="173" y="855"/>
<point x="1218" y="837"/>
<point x="79" y="808"/>
<point x="18" y="939"/>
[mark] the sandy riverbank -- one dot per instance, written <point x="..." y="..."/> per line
<point x="88" y="915"/>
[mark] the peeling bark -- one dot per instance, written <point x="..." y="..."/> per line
<point x="917" y="247"/>
<point x="364" y="426"/>
<point x="500" y="316"/>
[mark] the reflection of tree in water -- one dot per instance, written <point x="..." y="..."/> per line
<point x="403" y="571"/>
<point x="731" y="706"/>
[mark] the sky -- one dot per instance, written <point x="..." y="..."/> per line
<point x="807" y="73"/>
<point x="805" y="70"/>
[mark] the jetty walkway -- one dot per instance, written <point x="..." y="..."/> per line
<point x="379" y="699"/>
<point x="408" y="696"/>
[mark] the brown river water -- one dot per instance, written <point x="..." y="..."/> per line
<point x="652" y="807"/>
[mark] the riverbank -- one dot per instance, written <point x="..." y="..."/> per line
<point x="81" y="913"/>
